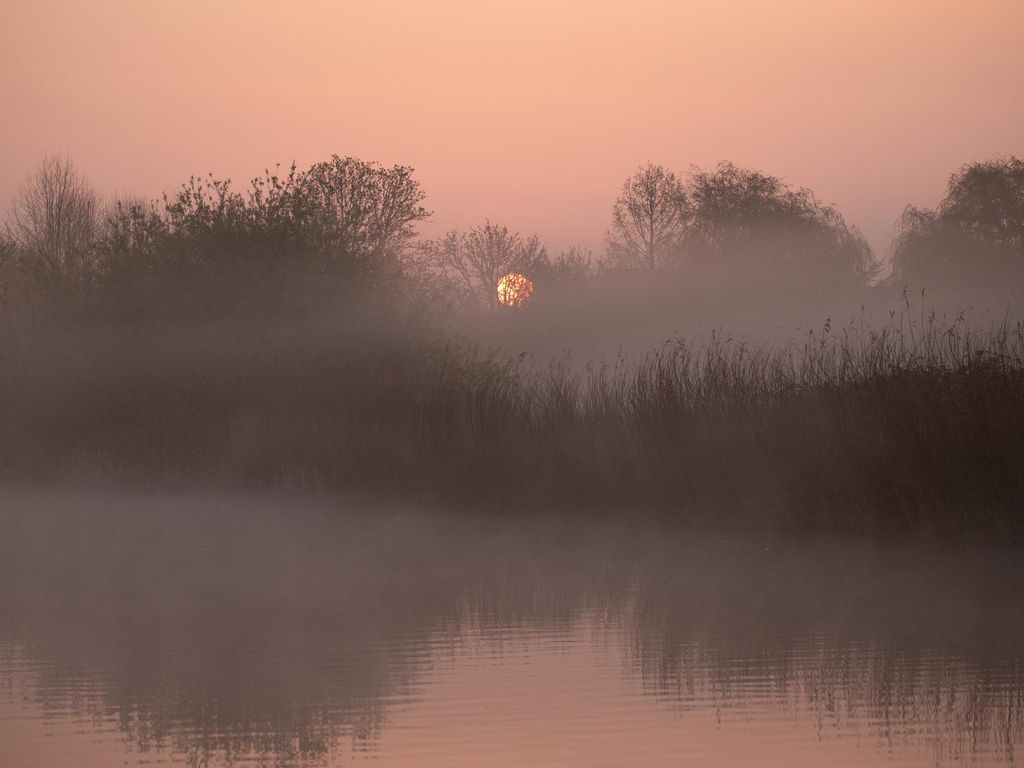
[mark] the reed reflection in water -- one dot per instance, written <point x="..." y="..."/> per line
<point x="204" y="631"/>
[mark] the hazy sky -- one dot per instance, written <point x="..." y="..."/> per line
<point x="528" y="113"/>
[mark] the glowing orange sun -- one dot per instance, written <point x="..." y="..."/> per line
<point x="514" y="290"/>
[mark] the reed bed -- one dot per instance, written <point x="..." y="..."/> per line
<point x="914" y="428"/>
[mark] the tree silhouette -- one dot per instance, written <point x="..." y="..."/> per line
<point x="52" y="224"/>
<point x="471" y="263"/>
<point x="748" y="225"/>
<point x="361" y="210"/>
<point x="975" y="236"/>
<point x="737" y="225"/>
<point x="340" y="211"/>
<point x="648" y="220"/>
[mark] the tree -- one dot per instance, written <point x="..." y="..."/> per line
<point x="471" y="263"/>
<point x="358" y="210"/>
<point x="130" y="245"/>
<point x="746" y="225"/>
<point x="53" y="221"/>
<point x="736" y="225"/>
<point x="974" y="236"/>
<point x="648" y="220"/>
<point x="211" y="227"/>
<point x="343" y="212"/>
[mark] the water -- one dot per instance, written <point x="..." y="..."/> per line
<point x="203" y="631"/>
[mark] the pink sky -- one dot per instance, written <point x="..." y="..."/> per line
<point x="527" y="113"/>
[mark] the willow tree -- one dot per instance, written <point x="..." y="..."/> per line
<point x="974" y="237"/>
<point x="749" y="226"/>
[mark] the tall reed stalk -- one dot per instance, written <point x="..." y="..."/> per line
<point x="914" y="427"/>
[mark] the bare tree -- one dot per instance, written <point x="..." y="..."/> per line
<point x="473" y="262"/>
<point x="53" y="222"/>
<point x="648" y="220"/>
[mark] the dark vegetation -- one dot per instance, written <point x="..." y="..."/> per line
<point x="298" y="336"/>
<point x="973" y="239"/>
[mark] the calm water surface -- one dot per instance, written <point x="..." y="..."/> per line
<point x="199" y="631"/>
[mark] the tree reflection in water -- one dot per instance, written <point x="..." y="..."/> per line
<point x="220" y="629"/>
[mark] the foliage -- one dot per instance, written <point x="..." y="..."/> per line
<point x="749" y="225"/>
<point x="340" y="212"/>
<point x="361" y="209"/>
<point x="737" y="225"/>
<point x="132" y="237"/>
<point x="345" y="223"/>
<point x="975" y="236"/>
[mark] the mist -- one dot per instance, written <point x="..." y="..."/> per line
<point x="737" y="354"/>
<point x="445" y="383"/>
<point x="305" y="637"/>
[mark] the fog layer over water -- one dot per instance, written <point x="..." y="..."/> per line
<point x="212" y="631"/>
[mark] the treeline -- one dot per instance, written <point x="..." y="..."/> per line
<point x="353" y="224"/>
<point x="747" y="225"/>
<point x="343" y="221"/>
<point x="299" y="334"/>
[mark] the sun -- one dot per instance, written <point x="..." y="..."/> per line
<point x="514" y="290"/>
